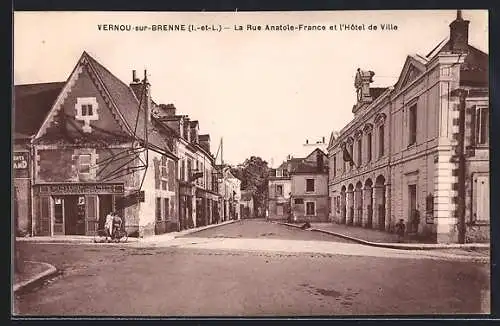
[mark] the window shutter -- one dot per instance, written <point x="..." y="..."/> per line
<point x="157" y="173"/>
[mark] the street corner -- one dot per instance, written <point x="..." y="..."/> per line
<point x="31" y="274"/>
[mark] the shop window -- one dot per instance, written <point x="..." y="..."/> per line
<point x="310" y="208"/>
<point x="58" y="211"/>
<point x="309" y="185"/>
<point x="84" y="163"/>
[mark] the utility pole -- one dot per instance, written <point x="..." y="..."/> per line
<point x="462" y="94"/>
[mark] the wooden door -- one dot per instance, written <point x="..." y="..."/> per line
<point x="91" y="213"/>
<point x="481" y="189"/>
<point x="45" y="216"/>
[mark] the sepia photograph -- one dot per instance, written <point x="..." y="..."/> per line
<point x="250" y="164"/>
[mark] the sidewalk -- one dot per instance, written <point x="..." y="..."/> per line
<point x="90" y="239"/>
<point x="172" y="235"/>
<point x="32" y="272"/>
<point x="384" y="239"/>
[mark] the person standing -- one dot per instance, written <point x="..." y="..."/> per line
<point x="108" y="225"/>
<point x="400" y="230"/>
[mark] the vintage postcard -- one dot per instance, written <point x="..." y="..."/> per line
<point x="269" y="164"/>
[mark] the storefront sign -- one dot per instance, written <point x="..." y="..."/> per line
<point x="20" y="163"/>
<point x="76" y="188"/>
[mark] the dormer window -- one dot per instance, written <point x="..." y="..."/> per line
<point x="86" y="111"/>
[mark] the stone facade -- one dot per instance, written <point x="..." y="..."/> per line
<point x="398" y="157"/>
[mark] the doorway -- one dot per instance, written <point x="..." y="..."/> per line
<point x="412" y="206"/>
<point x="74" y="215"/>
<point x="105" y="207"/>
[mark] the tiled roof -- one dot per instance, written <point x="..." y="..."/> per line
<point x="128" y="105"/>
<point x="32" y="103"/>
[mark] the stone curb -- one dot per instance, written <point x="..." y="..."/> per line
<point x="51" y="270"/>
<point x="398" y="245"/>
<point x="191" y="231"/>
<point x="173" y="235"/>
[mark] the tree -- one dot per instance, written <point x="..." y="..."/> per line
<point x="254" y="173"/>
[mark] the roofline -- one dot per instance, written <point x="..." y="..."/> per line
<point x="44" y="83"/>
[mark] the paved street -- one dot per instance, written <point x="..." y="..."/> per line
<point x="260" y="229"/>
<point x="182" y="279"/>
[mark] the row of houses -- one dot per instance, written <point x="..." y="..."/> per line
<point x="417" y="151"/>
<point x="94" y="144"/>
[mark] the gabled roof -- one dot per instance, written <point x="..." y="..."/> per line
<point x="31" y="104"/>
<point x="123" y="103"/>
<point x="414" y="66"/>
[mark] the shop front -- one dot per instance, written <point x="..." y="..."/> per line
<point x="74" y="209"/>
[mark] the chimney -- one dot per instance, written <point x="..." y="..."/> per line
<point x="459" y="34"/>
<point x="168" y="109"/>
<point x="323" y="139"/>
<point x="187" y="132"/>
<point x="307" y="141"/>
<point x="193" y="126"/>
<point x="205" y="142"/>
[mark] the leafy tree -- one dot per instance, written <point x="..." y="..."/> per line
<point x="254" y="173"/>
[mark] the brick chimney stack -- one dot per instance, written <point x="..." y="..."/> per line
<point x="459" y="34"/>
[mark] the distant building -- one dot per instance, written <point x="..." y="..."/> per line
<point x="309" y="191"/>
<point x="247" y="205"/>
<point x="198" y="191"/>
<point x="279" y="192"/>
<point x="399" y="158"/>
<point x="230" y="192"/>
<point x="298" y="189"/>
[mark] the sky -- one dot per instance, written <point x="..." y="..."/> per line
<point x="263" y="92"/>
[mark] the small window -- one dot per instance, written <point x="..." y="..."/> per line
<point x="309" y="185"/>
<point x="164" y="185"/>
<point x="84" y="163"/>
<point x="166" y="207"/>
<point x="299" y="201"/>
<point x="412" y="125"/>
<point x="360" y="152"/>
<point x="334" y="166"/>
<point x="164" y="167"/>
<point x="381" y="141"/>
<point x="369" y="147"/>
<point x="310" y="208"/>
<point x="482" y="126"/>
<point x="158" y="209"/>
<point x="279" y="190"/>
<point x="87" y="110"/>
